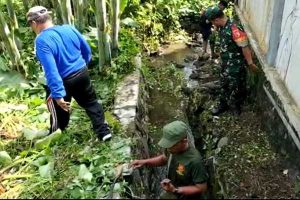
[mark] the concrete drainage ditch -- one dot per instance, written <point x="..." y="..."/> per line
<point x="139" y="108"/>
<point x="143" y="107"/>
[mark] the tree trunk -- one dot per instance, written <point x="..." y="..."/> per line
<point x="58" y="17"/>
<point x="80" y="14"/>
<point x="10" y="45"/>
<point x="66" y="11"/>
<point x="26" y="5"/>
<point x="103" y="43"/>
<point x="115" y="26"/>
<point x="12" y="14"/>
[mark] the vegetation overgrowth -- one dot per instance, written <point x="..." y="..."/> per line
<point x="71" y="164"/>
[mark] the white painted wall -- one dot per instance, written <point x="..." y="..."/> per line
<point x="287" y="61"/>
<point x="259" y="14"/>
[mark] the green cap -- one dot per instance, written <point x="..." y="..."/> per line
<point x="212" y="12"/>
<point x="173" y="133"/>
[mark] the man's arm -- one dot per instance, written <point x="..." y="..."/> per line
<point x="167" y="185"/>
<point x="153" y="162"/>
<point x="247" y="54"/>
<point x="241" y="39"/>
<point x="191" y="190"/>
<point x="54" y="81"/>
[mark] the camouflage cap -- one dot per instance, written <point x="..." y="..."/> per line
<point x="173" y="133"/>
<point x="36" y="12"/>
<point x="213" y="12"/>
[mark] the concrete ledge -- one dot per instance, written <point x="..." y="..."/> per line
<point x="282" y="101"/>
<point x="126" y="99"/>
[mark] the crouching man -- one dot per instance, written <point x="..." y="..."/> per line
<point x="187" y="177"/>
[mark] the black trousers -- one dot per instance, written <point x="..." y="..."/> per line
<point x="78" y="86"/>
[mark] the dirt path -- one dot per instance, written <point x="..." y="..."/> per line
<point x="247" y="165"/>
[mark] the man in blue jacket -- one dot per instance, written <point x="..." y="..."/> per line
<point x="64" y="55"/>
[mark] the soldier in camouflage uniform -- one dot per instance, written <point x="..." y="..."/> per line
<point x="235" y="55"/>
<point x="214" y="40"/>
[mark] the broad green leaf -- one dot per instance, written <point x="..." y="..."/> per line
<point x="123" y="5"/>
<point x="41" y="161"/>
<point x="3" y="67"/>
<point x="46" y="171"/>
<point x="49" y="140"/>
<point x="36" y="101"/>
<point x="5" y="159"/>
<point x="84" y="173"/>
<point x="129" y="22"/>
<point x="11" y="79"/>
<point x="30" y="134"/>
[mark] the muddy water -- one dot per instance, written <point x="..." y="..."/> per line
<point x="164" y="107"/>
<point x="248" y="167"/>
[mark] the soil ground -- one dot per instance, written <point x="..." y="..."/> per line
<point x="248" y="163"/>
<point x="247" y="167"/>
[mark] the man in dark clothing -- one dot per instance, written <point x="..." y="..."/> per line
<point x="235" y="55"/>
<point x="205" y="30"/>
<point x="223" y="5"/>
<point x="187" y="177"/>
<point x="64" y="55"/>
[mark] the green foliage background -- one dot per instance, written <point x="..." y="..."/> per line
<point x="76" y="165"/>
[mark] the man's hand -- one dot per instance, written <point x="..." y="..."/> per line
<point x="253" y="67"/>
<point x="63" y="104"/>
<point x="167" y="185"/>
<point x="137" y="164"/>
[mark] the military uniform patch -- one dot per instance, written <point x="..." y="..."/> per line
<point x="239" y="36"/>
<point x="180" y="169"/>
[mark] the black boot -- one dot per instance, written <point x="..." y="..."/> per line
<point x="237" y="110"/>
<point x="222" y="107"/>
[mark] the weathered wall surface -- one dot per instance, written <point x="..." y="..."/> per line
<point x="287" y="61"/>
<point x="259" y="16"/>
<point x="260" y="22"/>
<point x="273" y="28"/>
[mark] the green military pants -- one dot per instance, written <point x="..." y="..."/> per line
<point x="233" y="85"/>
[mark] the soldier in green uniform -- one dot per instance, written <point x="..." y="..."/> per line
<point x="235" y="55"/>
<point x="214" y="39"/>
<point x="187" y="177"/>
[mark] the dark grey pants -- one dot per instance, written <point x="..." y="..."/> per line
<point x="78" y="86"/>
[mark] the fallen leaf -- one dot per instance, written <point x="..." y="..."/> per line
<point x="84" y="173"/>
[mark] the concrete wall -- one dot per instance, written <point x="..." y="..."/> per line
<point x="287" y="61"/>
<point x="273" y="28"/>
<point x="260" y="22"/>
<point x="263" y="17"/>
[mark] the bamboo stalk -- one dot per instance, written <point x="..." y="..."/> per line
<point x="80" y="15"/>
<point x="26" y="5"/>
<point x="12" y="14"/>
<point x="115" y="26"/>
<point x="10" y="45"/>
<point x="103" y="43"/>
<point x="66" y="11"/>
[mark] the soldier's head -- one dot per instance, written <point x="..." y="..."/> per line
<point x="216" y="16"/>
<point x="174" y="137"/>
<point x="223" y="4"/>
<point x="37" y="17"/>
